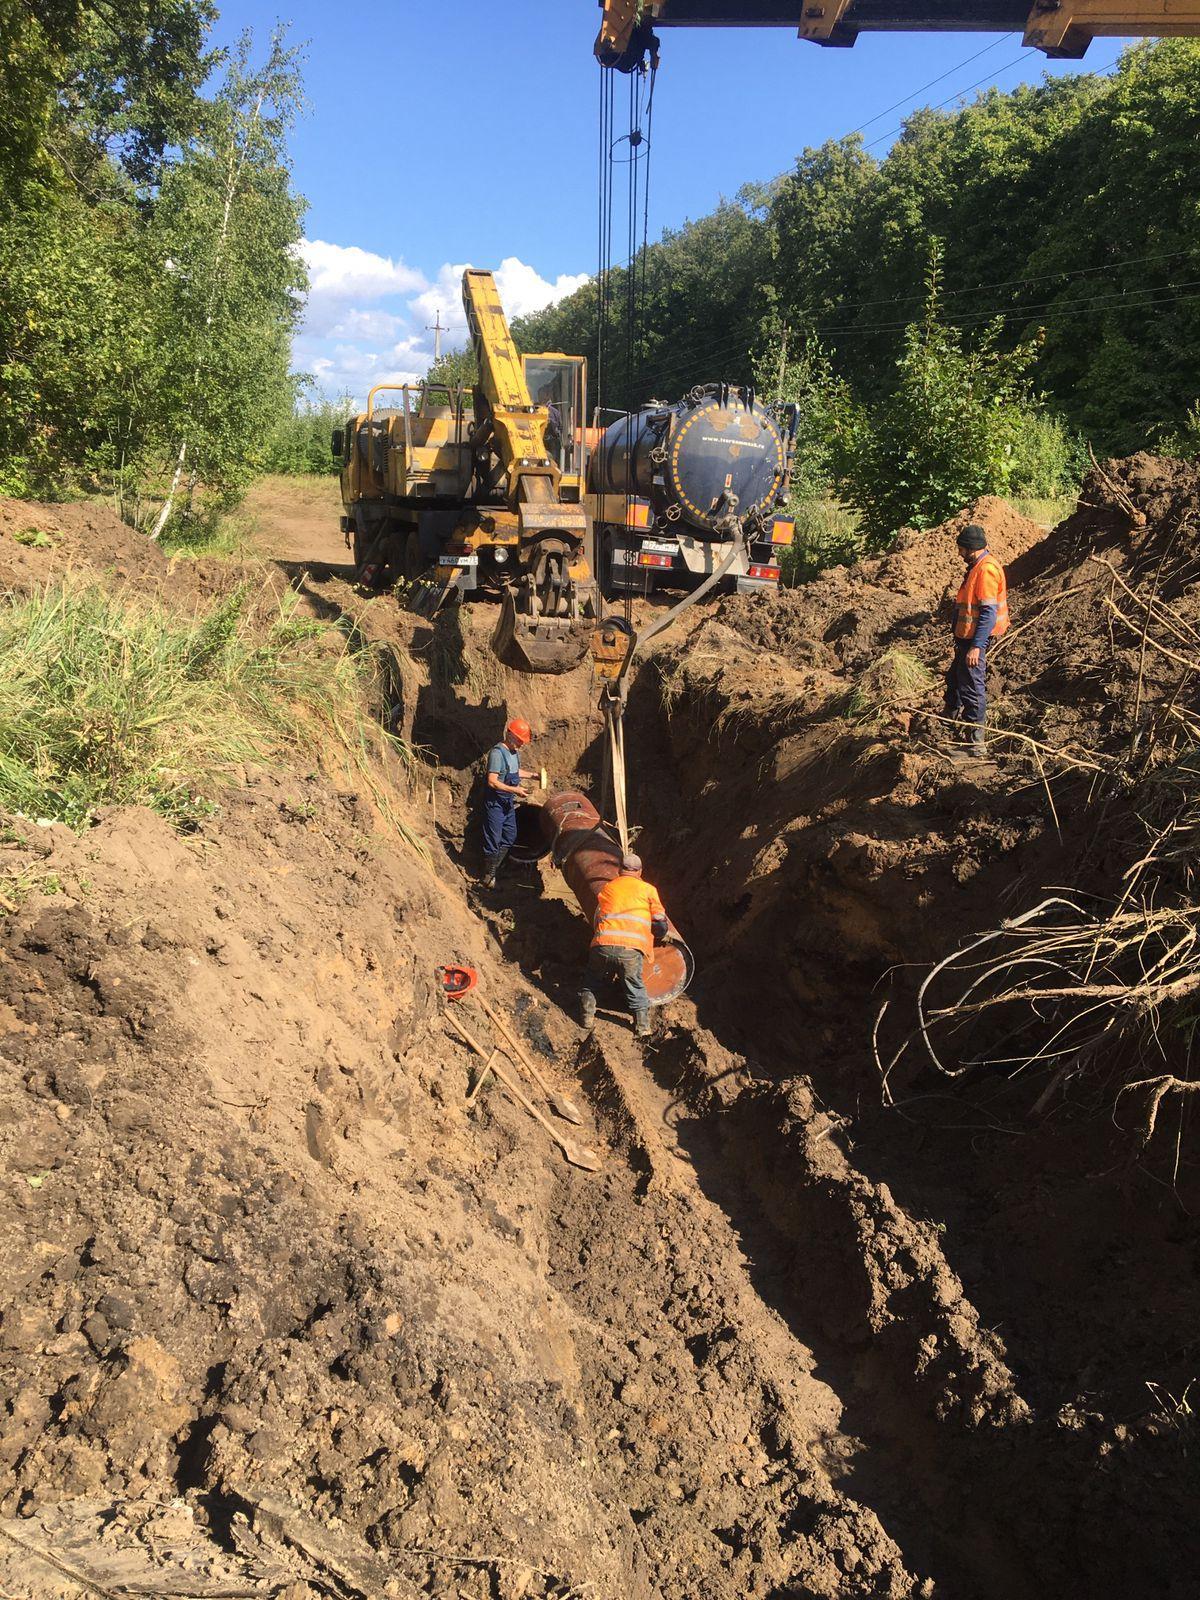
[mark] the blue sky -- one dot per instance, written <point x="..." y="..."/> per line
<point x="466" y="132"/>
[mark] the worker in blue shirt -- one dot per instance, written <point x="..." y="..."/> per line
<point x="504" y="790"/>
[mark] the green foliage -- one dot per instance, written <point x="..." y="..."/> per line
<point x="105" y="701"/>
<point x="206" y="528"/>
<point x="948" y="432"/>
<point x="84" y="77"/>
<point x="827" y="535"/>
<point x="894" y="681"/>
<point x="300" y="442"/>
<point x="147" y="263"/>
<point x="823" y="404"/>
<point x="1184" y="440"/>
<point x="1049" y="459"/>
<point x="1072" y="205"/>
<point x="705" y="291"/>
<point x="225" y="229"/>
<point x="455" y="367"/>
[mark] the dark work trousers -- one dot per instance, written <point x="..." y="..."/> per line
<point x="608" y="961"/>
<point x="966" y="696"/>
<point x="499" y="829"/>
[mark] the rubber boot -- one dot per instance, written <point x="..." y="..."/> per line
<point x="587" y="1012"/>
<point x="491" y="866"/>
<point x="978" y="740"/>
<point x="641" y="1024"/>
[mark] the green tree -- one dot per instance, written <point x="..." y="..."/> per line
<point x="947" y="433"/>
<point x="224" y="234"/>
<point x="704" y="291"/>
<point x="455" y="367"/>
<point x="300" y="441"/>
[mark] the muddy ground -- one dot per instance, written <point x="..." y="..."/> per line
<point x="283" y="1316"/>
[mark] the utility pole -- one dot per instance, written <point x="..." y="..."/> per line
<point x="436" y="329"/>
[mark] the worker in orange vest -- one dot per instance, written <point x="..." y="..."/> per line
<point x="629" y="919"/>
<point x="980" y="615"/>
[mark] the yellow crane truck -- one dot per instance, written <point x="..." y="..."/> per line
<point x="486" y="487"/>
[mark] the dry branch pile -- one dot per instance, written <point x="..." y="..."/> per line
<point x="1101" y="979"/>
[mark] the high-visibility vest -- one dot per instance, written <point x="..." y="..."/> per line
<point x="984" y="585"/>
<point x="624" y="909"/>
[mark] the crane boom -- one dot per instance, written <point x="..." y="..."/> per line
<point x="1060" y="28"/>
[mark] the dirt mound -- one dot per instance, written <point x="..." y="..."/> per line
<point x="39" y="542"/>
<point x="42" y="543"/>
<point x="848" y="614"/>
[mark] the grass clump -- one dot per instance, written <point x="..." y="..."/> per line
<point x="211" y="532"/>
<point x="106" y="700"/>
<point x="897" y="681"/>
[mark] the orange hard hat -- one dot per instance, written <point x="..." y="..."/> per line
<point x="518" y="730"/>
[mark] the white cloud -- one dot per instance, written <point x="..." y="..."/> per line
<point x="371" y="324"/>
<point x="341" y="277"/>
<point x="346" y="272"/>
<point x="522" y="290"/>
<point x="367" y="316"/>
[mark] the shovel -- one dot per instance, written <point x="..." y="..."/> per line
<point x="485" y="1073"/>
<point x="561" y="1103"/>
<point x="578" y="1155"/>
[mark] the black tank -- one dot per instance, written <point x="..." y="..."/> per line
<point x="691" y="459"/>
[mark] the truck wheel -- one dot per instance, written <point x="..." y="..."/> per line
<point x="358" y="548"/>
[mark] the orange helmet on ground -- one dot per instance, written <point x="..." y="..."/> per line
<point x="518" y="730"/>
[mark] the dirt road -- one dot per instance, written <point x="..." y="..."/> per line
<point x="296" y="520"/>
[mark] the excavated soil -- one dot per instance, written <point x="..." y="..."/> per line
<point x="283" y="1315"/>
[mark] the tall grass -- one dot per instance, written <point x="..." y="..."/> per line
<point x="826" y="536"/>
<point x="107" y="700"/>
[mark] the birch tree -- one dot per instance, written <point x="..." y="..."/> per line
<point x="227" y="225"/>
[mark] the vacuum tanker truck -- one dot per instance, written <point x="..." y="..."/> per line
<point x="670" y="486"/>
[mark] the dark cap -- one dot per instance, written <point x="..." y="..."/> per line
<point x="972" y="537"/>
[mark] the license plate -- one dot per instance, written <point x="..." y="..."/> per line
<point x="659" y="547"/>
<point x="458" y="561"/>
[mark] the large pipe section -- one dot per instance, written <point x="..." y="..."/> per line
<point x="589" y="857"/>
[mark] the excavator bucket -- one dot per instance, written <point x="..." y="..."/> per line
<point x="540" y="644"/>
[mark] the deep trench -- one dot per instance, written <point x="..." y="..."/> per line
<point x="922" y="1480"/>
<point x="985" y="1513"/>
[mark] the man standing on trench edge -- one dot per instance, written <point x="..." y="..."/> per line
<point x="630" y="919"/>
<point x="500" y="797"/>
<point x="980" y="614"/>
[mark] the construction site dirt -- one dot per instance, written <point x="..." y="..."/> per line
<point x="284" y="1315"/>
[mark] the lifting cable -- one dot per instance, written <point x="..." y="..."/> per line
<point x="637" y="159"/>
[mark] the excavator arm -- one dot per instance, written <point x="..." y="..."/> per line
<point x="518" y="427"/>
<point x="549" y="609"/>
<point x="1060" y="28"/>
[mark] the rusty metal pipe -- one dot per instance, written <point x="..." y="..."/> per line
<point x="589" y="857"/>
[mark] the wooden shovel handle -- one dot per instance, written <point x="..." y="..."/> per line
<point x="522" y="1053"/>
